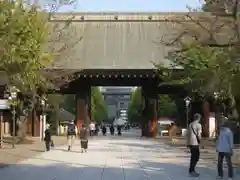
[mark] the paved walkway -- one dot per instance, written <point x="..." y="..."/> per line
<point x="108" y="158"/>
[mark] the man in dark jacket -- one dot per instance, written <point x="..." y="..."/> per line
<point x="119" y="129"/>
<point x="112" y="129"/>
<point x="71" y="134"/>
<point x="104" y="130"/>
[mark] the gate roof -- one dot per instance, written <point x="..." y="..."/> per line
<point x="126" y="40"/>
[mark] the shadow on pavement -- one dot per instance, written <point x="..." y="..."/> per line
<point x="175" y="171"/>
<point x="146" y="147"/>
<point x="9" y="140"/>
<point x="139" y="171"/>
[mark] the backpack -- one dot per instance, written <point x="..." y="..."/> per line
<point x="71" y="129"/>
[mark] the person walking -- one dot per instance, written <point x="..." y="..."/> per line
<point x="84" y="139"/>
<point x="71" y="134"/>
<point x="47" y="137"/>
<point x="224" y="148"/>
<point x="119" y="129"/>
<point x="104" y="130"/>
<point x="112" y="129"/>
<point x="193" y="142"/>
<point x="92" y="128"/>
<point x="96" y="129"/>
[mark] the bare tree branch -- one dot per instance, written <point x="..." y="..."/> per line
<point x="63" y="37"/>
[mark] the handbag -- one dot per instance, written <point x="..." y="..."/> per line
<point x="52" y="144"/>
<point x="198" y="139"/>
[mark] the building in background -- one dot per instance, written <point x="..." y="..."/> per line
<point x="122" y="114"/>
<point x="117" y="100"/>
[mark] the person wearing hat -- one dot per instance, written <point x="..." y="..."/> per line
<point x="193" y="142"/>
<point x="71" y="134"/>
<point x="224" y="147"/>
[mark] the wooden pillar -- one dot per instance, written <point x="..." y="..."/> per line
<point x="89" y="104"/>
<point x="144" y="122"/>
<point x="206" y="115"/>
<point x="150" y="111"/>
<point x="152" y="117"/>
<point x="83" y="106"/>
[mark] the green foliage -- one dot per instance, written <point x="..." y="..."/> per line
<point x="135" y="106"/>
<point x="23" y="36"/>
<point x="55" y="103"/>
<point x="204" y="69"/>
<point x="166" y="106"/>
<point x="209" y="63"/>
<point x="54" y="100"/>
<point x="99" y="110"/>
<point x="69" y="103"/>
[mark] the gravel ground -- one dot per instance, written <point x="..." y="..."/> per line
<point x="30" y="148"/>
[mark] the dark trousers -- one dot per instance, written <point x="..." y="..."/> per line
<point x="92" y="132"/>
<point x="195" y="154"/>
<point x="48" y="143"/>
<point x="84" y="143"/>
<point x="228" y="158"/>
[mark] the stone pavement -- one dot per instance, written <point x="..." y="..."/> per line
<point x="118" y="158"/>
<point x="208" y="148"/>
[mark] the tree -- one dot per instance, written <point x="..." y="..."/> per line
<point x="30" y="41"/>
<point x="166" y="106"/>
<point x="135" y="106"/>
<point x="69" y="103"/>
<point x="24" y="34"/>
<point x="28" y="45"/>
<point x="63" y="36"/>
<point x="99" y="110"/>
<point x="208" y="62"/>
<point x="54" y="102"/>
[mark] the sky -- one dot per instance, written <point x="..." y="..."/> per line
<point x="131" y="5"/>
